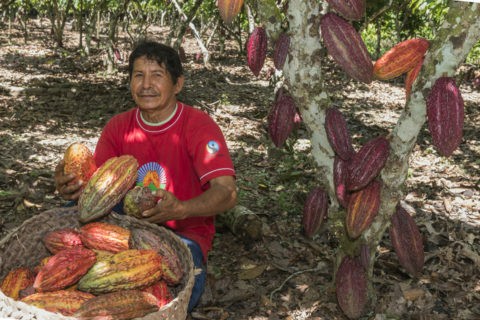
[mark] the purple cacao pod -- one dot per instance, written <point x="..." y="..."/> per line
<point x="346" y="47"/>
<point x="281" y="119"/>
<point x="351" y="287"/>
<point x="445" y="115"/>
<point x="349" y="9"/>
<point x="281" y="50"/>
<point x="363" y="207"/>
<point x="407" y="241"/>
<point x="367" y="163"/>
<point x="315" y="211"/>
<point x="257" y="50"/>
<point x="338" y="134"/>
<point x="340" y="178"/>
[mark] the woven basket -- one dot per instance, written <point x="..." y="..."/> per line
<point x="24" y="247"/>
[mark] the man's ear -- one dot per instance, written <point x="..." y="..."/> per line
<point x="179" y="84"/>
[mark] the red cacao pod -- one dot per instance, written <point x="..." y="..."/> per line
<point x="351" y="287"/>
<point x="346" y="47"/>
<point x="338" y="134"/>
<point x="367" y="163"/>
<point x="407" y="241"/>
<point x="66" y="302"/>
<point x="138" y="200"/>
<point x="349" y="9"/>
<point x="363" y="207"/>
<point x="281" y="51"/>
<point x="161" y="291"/>
<point x="105" y="236"/>
<point x="61" y="239"/>
<point x="229" y="9"/>
<point x="445" y="114"/>
<point x="340" y="178"/>
<point x="79" y="161"/>
<point x="257" y="50"/>
<point x="281" y="119"/>
<point x="400" y="59"/>
<point x="16" y="280"/>
<point x="412" y="76"/>
<point x="315" y="211"/>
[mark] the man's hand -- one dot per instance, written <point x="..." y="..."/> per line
<point x="167" y="208"/>
<point x="67" y="190"/>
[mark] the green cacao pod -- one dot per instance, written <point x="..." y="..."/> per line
<point x="105" y="236"/>
<point x="138" y="200"/>
<point x="66" y="302"/>
<point x="351" y="287"/>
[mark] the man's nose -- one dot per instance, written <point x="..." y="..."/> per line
<point x="147" y="81"/>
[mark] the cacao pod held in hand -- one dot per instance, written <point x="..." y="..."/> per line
<point x="138" y="200"/>
<point x="79" y="162"/>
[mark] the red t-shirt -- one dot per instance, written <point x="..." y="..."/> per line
<point x="180" y="156"/>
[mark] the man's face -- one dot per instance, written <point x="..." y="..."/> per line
<point x="152" y="87"/>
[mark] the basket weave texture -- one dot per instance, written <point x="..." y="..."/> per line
<point x="24" y="247"/>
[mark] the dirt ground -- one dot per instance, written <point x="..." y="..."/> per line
<point x="51" y="97"/>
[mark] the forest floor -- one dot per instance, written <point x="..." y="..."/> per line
<point x="51" y="97"/>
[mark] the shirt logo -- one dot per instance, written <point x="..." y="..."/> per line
<point x="212" y="147"/>
<point x="152" y="175"/>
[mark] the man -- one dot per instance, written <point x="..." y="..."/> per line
<point x="181" y="152"/>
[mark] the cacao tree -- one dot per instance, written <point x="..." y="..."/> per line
<point x="361" y="223"/>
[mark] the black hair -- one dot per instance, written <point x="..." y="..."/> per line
<point x="161" y="53"/>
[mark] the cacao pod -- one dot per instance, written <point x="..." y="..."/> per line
<point x="105" y="236"/>
<point x="161" y="291"/>
<point x="367" y="163"/>
<point x="16" y="280"/>
<point x="129" y="269"/>
<point x="340" y="178"/>
<point x="172" y="270"/>
<point x="66" y="302"/>
<point x="281" y="119"/>
<point x="412" y="76"/>
<point x="445" y="114"/>
<point x="281" y="51"/>
<point x="41" y="264"/>
<point x="400" y="59"/>
<point x="107" y="187"/>
<point x="257" y="50"/>
<point x="120" y="305"/>
<point x="61" y="239"/>
<point x="79" y="161"/>
<point x="138" y="200"/>
<point x="351" y="287"/>
<point x="64" y="269"/>
<point x="362" y="208"/>
<point x="338" y="134"/>
<point x="349" y="9"/>
<point x="315" y="211"/>
<point x="229" y="9"/>
<point x="346" y="47"/>
<point x="407" y="241"/>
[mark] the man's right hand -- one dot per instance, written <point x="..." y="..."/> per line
<point x="63" y="183"/>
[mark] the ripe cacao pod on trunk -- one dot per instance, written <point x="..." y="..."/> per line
<point x="351" y="287"/>
<point x="407" y="241"/>
<point x="411" y="77"/>
<point x="120" y="305"/>
<point x="367" y="163"/>
<point x="66" y="302"/>
<point x="229" y="9"/>
<point x="281" y="51"/>
<point x="257" y="50"/>
<point x="349" y="9"/>
<point x="61" y="239"/>
<point x="445" y="114"/>
<point x="281" y="119"/>
<point x="79" y="161"/>
<point x="161" y="291"/>
<point x="138" y="200"/>
<point x="129" y="269"/>
<point x="363" y="207"/>
<point x="315" y="211"/>
<point x="338" y="134"/>
<point x="107" y="187"/>
<point x="16" y="280"/>
<point x="346" y="47"/>
<point x="400" y="59"/>
<point x="105" y="236"/>
<point x="340" y="178"/>
<point x="64" y="269"/>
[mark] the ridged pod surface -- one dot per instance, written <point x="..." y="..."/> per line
<point x="445" y="114"/>
<point x="281" y="50"/>
<point x="129" y="269"/>
<point x="120" y="305"/>
<point x="161" y="291"/>
<point x="79" y="161"/>
<point x="105" y="236"/>
<point x="315" y="211"/>
<point x="412" y="76"/>
<point x="257" y="50"/>
<point x="107" y="187"/>
<point x="340" y="178"/>
<point x="138" y="200"/>
<point x="346" y="47"/>
<point x="64" y="269"/>
<point x="400" y="59"/>
<point x="367" y="163"/>
<point x="16" y="280"/>
<point x="229" y="9"/>
<point x="351" y="287"/>
<point x="66" y="302"/>
<point x="407" y="241"/>
<point x="338" y="134"/>
<point x="281" y="119"/>
<point x="349" y="9"/>
<point x="62" y="239"/>
<point x="362" y="208"/>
